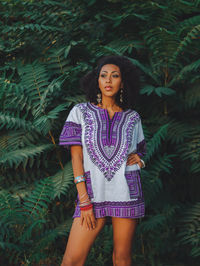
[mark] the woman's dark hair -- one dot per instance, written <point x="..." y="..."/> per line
<point x="130" y="79"/>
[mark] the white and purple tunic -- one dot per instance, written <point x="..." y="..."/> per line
<point x="113" y="187"/>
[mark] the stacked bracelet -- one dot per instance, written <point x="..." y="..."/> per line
<point x="79" y="179"/>
<point x="87" y="207"/>
<point x="86" y="204"/>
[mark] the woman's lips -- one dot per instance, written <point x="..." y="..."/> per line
<point x="108" y="88"/>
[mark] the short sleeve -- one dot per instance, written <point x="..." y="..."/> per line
<point x="141" y="143"/>
<point x="72" y="131"/>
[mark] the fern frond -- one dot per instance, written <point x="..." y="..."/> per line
<point x="44" y="123"/>
<point x="178" y="132"/>
<point x="36" y="204"/>
<point x="190" y="37"/>
<point x="14" y="248"/>
<point x="13" y="94"/>
<point x="147" y="70"/>
<point x="188" y="23"/>
<point x="195" y="167"/>
<point x="162" y="163"/>
<point x="17" y="139"/>
<point x="73" y="100"/>
<point x="47" y="238"/>
<point x="34" y="78"/>
<point x="9" y="209"/>
<point x="62" y="180"/>
<point x="160" y="91"/>
<point x="192" y="96"/>
<point x="123" y="46"/>
<point x="29" y="231"/>
<point x="58" y="61"/>
<point x="11" y="122"/>
<point x="152" y="185"/>
<point x="190" y="229"/>
<point x="118" y="19"/>
<point x="14" y="158"/>
<point x="162" y="43"/>
<point x="191" y="149"/>
<point x="153" y="223"/>
<point x="51" y="92"/>
<point x="155" y="141"/>
<point x="151" y="178"/>
<point x="184" y="71"/>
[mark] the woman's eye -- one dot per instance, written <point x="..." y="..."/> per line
<point x="115" y="76"/>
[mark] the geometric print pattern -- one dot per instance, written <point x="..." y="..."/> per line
<point x="134" y="184"/>
<point x="123" y="209"/>
<point x="107" y="142"/>
<point x="71" y="133"/>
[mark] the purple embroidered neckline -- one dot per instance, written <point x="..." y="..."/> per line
<point x="107" y="151"/>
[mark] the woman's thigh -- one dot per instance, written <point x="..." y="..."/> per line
<point x="80" y="241"/>
<point x="123" y="232"/>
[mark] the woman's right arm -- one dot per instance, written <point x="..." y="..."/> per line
<point x="87" y="216"/>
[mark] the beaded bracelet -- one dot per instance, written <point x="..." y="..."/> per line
<point x="79" y="179"/>
<point x="88" y="207"/>
<point x="84" y="203"/>
<point x="80" y="176"/>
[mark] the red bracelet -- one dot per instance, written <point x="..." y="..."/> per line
<point x="85" y="208"/>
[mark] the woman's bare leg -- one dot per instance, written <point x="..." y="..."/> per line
<point x="123" y="232"/>
<point x="80" y="241"/>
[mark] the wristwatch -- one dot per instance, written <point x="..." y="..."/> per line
<point x="142" y="163"/>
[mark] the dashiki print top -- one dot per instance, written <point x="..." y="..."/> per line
<point x="113" y="187"/>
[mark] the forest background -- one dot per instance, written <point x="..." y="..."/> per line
<point x="45" y="48"/>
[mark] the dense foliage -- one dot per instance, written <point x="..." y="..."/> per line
<point x="45" y="47"/>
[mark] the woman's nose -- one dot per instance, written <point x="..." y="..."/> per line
<point x="108" y="79"/>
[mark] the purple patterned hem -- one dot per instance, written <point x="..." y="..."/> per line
<point x="70" y="143"/>
<point x="71" y="134"/>
<point x="130" y="209"/>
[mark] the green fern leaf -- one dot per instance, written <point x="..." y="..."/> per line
<point x="44" y="123"/>
<point x="36" y="204"/>
<point x="155" y="141"/>
<point x="185" y="70"/>
<point x="62" y="181"/>
<point x="11" y="122"/>
<point x="14" y="158"/>
<point x="160" y="91"/>
<point x="190" y="224"/>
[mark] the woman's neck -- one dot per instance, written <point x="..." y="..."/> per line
<point x="109" y="104"/>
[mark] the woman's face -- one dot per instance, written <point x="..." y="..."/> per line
<point x="110" y="80"/>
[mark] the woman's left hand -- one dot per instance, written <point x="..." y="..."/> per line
<point x="134" y="158"/>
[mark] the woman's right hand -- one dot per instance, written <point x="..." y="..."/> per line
<point x="88" y="219"/>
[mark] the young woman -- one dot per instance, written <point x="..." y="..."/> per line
<point x="107" y="142"/>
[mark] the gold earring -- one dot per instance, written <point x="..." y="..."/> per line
<point x="121" y="99"/>
<point x="99" y="98"/>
